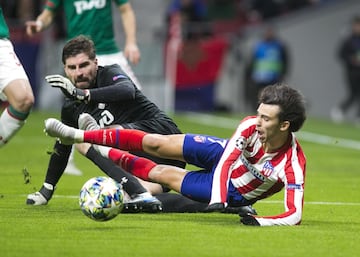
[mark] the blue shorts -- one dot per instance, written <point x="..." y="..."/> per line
<point x="205" y="152"/>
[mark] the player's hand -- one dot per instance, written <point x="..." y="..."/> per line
<point x="249" y="220"/>
<point x="33" y="27"/>
<point x="67" y="87"/>
<point x="132" y="53"/>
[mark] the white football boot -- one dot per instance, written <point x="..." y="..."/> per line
<point x="64" y="133"/>
<point x="36" y="199"/>
<point x="42" y="196"/>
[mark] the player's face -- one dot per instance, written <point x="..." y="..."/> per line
<point x="81" y="70"/>
<point x="268" y="125"/>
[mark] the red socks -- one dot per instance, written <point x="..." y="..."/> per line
<point x="125" y="139"/>
<point x="136" y="165"/>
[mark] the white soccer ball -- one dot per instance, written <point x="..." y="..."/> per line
<point x="101" y="198"/>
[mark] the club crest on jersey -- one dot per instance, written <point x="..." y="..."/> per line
<point x="199" y="139"/>
<point x="267" y="169"/>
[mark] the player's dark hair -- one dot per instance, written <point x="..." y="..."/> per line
<point x="78" y="45"/>
<point x="290" y="101"/>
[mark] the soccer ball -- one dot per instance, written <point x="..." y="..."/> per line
<point x="101" y="198"/>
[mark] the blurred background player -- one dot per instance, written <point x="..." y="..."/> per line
<point x="94" y="19"/>
<point x="268" y="64"/>
<point x="349" y="54"/>
<point x="14" y="87"/>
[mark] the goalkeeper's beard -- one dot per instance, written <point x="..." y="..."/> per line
<point x="83" y="84"/>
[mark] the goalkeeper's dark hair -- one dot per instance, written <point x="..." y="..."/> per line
<point x="290" y="101"/>
<point x="78" y="45"/>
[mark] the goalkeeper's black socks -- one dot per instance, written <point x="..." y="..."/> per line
<point x="130" y="184"/>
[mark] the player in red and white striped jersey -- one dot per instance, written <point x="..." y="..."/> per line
<point x="262" y="157"/>
<point x="258" y="173"/>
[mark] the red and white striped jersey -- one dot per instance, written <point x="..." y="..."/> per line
<point x="257" y="174"/>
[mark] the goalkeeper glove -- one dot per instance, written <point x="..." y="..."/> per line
<point x="249" y="220"/>
<point x="68" y="88"/>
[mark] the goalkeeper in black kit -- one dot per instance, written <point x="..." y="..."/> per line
<point x="107" y="95"/>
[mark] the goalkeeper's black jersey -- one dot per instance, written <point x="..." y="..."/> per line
<point x="114" y="100"/>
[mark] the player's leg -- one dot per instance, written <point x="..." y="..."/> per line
<point x="87" y="122"/>
<point x="205" y="151"/>
<point x="169" y="176"/>
<point x="16" y="89"/>
<point x="97" y="154"/>
<point x="139" y="192"/>
<point x="20" y="98"/>
<point x="140" y="198"/>
<point x="165" y="146"/>
<point x="71" y="168"/>
<point x="177" y="203"/>
<point x="171" y="202"/>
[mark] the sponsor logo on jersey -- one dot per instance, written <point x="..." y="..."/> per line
<point x="293" y="186"/>
<point x="252" y="169"/>
<point x="120" y="76"/>
<point x="81" y="6"/>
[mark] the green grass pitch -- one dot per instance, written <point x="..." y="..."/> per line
<point x="330" y="226"/>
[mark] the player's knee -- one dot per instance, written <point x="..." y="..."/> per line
<point x="23" y="103"/>
<point x="167" y="175"/>
<point x="27" y="102"/>
<point x="21" y="100"/>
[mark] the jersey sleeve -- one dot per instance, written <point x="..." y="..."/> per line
<point x="120" y="2"/>
<point x="293" y="194"/>
<point x="112" y="86"/>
